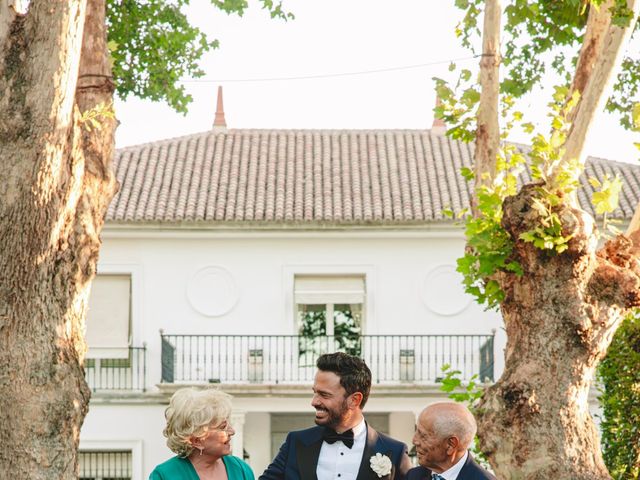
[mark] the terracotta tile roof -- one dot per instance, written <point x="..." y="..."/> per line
<point x="303" y="177"/>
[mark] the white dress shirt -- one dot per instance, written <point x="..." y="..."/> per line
<point x="454" y="471"/>
<point x="337" y="462"/>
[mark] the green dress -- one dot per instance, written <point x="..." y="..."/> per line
<point x="178" y="468"/>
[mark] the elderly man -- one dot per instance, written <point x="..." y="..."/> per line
<point x="443" y="435"/>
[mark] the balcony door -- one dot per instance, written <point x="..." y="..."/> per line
<point x="329" y="315"/>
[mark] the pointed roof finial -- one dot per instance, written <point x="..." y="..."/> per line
<point x="219" y="123"/>
<point x="438" y="126"/>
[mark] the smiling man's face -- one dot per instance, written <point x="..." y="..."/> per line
<point x="330" y="400"/>
<point x="433" y="452"/>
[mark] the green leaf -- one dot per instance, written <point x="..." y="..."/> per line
<point x="470" y="97"/>
<point x="527" y="236"/>
<point x="467" y="173"/>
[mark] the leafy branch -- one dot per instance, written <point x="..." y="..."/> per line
<point x="90" y="119"/>
<point x="489" y="247"/>
<point x="153" y="46"/>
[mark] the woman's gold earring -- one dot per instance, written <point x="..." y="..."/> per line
<point x="200" y="448"/>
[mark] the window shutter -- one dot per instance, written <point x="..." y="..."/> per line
<point x="323" y="289"/>
<point x="108" y="319"/>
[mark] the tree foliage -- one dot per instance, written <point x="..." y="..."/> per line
<point x="544" y="36"/>
<point x="619" y="375"/>
<point x="489" y="248"/>
<point x="154" y="46"/>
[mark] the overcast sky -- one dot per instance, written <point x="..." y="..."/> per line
<point x="403" y="44"/>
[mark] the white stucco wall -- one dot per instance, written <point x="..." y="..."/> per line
<point x="410" y="283"/>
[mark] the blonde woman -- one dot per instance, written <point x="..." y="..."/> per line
<point x="199" y="432"/>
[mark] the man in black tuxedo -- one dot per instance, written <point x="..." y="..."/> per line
<point x="443" y="435"/>
<point x="342" y="445"/>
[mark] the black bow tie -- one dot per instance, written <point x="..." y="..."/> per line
<point x="331" y="436"/>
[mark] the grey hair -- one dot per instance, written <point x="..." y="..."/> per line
<point x="453" y="420"/>
<point x="189" y="415"/>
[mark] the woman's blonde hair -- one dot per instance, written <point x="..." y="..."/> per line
<point x="190" y="414"/>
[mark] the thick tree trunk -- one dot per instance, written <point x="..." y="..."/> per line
<point x="561" y="314"/>
<point x="55" y="183"/>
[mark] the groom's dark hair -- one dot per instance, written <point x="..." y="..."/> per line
<point x="354" y="374"/>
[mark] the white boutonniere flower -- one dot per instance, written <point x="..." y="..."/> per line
<point x="381" y="464"/>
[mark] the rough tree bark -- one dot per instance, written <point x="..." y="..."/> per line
<point x="561" y="314"/>
<point x="55" y="185"/>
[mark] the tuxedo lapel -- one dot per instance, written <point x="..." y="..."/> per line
<point x="365" y="472"/>
<point x="307" y="458"/>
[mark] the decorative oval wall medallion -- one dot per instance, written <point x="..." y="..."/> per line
<point x="443" y="293"/>
<point x="212" y="291"/>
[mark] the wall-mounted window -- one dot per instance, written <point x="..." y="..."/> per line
<point x="329" y="313"/>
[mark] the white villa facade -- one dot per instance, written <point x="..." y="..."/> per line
<point x="234" y="258"/>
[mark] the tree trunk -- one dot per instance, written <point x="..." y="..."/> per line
<point x="55" y="184"/>
<point x="561" y="314"/>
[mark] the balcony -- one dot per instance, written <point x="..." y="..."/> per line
<point x="118" y="374"/>
<point x="290" y="359"/>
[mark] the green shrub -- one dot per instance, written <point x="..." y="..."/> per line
<point x="619" y="375"/>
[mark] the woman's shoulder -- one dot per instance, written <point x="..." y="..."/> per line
<point x="173" y="466"/>
<point x="240" y="466"/>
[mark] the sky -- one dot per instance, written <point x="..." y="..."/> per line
<point x="371" y="64"/>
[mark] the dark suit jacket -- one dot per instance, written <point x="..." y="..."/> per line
<point x="470" y="471"/>
<point x="298" y="456"/>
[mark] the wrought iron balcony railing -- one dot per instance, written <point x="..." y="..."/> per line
<point x="126" y="373"/>
<point x="105" y="464"/>
<point x="275" y="359"/>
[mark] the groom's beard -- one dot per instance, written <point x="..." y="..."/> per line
<point x="334" y="416"/>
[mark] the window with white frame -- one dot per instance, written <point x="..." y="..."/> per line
<point x="105" y="464"/>
<point x="109" y="317"/>
<point x="329" y="312"/>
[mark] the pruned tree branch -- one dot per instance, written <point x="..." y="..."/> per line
<point x="488" y="130"/>
<point x="600" y="57"/>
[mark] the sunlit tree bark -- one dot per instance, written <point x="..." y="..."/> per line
<point x="55" y="185"/>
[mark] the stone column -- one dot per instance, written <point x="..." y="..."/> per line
<point x="237" y="441"/>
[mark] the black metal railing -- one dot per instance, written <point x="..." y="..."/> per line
<point x="291" y="358"/>
<point x="126" y="373"/>
<point x="99" y="464"/>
